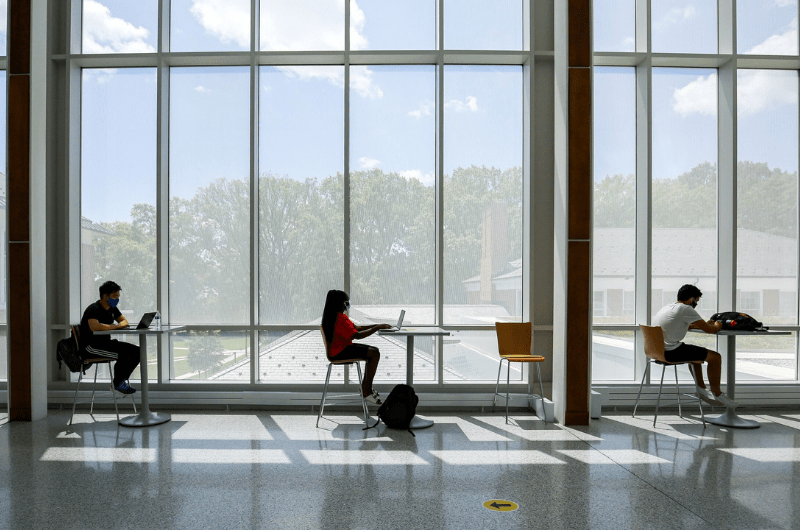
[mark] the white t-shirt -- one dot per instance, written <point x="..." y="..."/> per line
<point x="674" y="319"/>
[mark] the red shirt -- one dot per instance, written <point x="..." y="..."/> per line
<point x="343" y="332"/>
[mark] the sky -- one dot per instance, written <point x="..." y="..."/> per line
<point x="301" y="108"/>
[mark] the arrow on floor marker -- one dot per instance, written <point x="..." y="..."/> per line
<point x="498" y="506"/>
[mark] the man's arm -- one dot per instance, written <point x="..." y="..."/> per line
<point x="709" y="327"/>
<point x="123" y="322"/>
<point x="95" y="325"/>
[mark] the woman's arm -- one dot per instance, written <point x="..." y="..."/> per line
<point x="365" y="331"/>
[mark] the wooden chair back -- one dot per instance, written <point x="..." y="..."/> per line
<point x="325" y="343"/>
<point x="654" y="343"/>
<point x="514" y="338"/>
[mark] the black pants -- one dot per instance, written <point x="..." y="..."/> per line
<point x="125" y="353"/>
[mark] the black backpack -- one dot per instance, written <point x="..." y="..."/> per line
<point x="68" y="352"/>
<point x="738" y="321"/>
<point x="399" y="408"/>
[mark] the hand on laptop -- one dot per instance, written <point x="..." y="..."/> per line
<point x="123" y="326"/>
<point x="385" y="326"/>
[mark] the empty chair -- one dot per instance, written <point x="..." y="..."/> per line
<point x="344" y="397"/>
<point x="654" y="350"/>
<point x="514" y="345"/>
<point x="96" y="363"/>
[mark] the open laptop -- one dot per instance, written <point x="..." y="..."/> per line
<point x="399" y="323"/>
<point x="147" y="318"/>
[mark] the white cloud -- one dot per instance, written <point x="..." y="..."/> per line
<point x="427" y="179"/>
<point x="228" y="20"/>
<point x="104" y="33"/>
<point x="765" y="89"/>
<point x="368" y="163"/>
<point x="100" y="75"/>
<point x="778" y="44"/>
<point x="424" y="109"/>
<point x="786" y="3"/>
<point x="699" y="96"/>
<point x="629" y="44"/>
<point x="471" y="104"/>
<point x="202" y="89"/>
<point x="675" y="15"/>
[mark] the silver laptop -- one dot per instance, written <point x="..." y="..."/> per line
<point x="399" y="323"/>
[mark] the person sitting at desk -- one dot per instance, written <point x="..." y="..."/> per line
<point x="339" y="333"/>
<point x="675" y="320"/>
<point x="103" y="315"/>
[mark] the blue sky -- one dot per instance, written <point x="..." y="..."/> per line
<point x="301" y="111"/>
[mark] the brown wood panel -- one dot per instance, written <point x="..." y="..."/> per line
<point x="580" y="26"/>
<point x="19" y="126"/>
<point x="19" y="36"/>
<point x="19" y="332"/>
<point x="580" y="158"/>
<point x="576" y="418"/>
<point x="579" y="270"/>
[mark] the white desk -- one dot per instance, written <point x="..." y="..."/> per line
<point x="730" y="418"/>
<point x="145" y="418"/>
<point x="409" y="334"/>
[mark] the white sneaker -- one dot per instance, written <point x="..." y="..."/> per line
<point x="374" y="398"/>
<point x="725" y="400"/>
<point x="706" y="395"/>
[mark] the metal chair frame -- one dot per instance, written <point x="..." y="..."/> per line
<point x="341" y="398"/>
<point x="96" y="363"/>
<point x="657" y="357"/>
<point x="508" y="359"/>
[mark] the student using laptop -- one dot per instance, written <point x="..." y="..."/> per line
<point x="103" y="315"/>
<point x="339" y="333"/>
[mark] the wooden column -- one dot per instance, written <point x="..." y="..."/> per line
<point x="18" y="201"/>
<point x="579" y="207"/>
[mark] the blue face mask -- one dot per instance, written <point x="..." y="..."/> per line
<point x="113" y="302"/>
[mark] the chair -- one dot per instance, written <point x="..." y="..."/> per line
<point x="514" y="344"/>
<point x="349" y="397"/>
<point x="96" y="362"/>
<point x="654" y="349"/>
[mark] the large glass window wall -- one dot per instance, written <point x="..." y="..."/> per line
<point x="696" y="118"/>
<point x="255" y="160"/>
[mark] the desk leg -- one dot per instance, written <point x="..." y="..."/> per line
<point x="416" y="421"/>
<point x="730" y="418"/>
<point x="145" y="418"/>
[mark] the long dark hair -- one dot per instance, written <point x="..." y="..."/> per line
<point x="334" y="304"/>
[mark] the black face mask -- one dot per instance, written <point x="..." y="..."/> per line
<point x="694" y="304"/>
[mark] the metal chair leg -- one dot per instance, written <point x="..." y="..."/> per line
<point x="94" y="384"/>
<point x="361" y="393"/>
<point x="541" y="387"/>
<point x="658" y="400"/>
<point x="644" y="375"/>
<point x="497" y="386"/>
<point x="678" y="391"/>
<point x="699" y="401"/>
<point x="75" y="397"/>
<point x="114" y="392"/>
<point x="324" y="393"/>
<point x="508" y="381"/>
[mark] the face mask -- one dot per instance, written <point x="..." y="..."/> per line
<point x="113" y="302"/>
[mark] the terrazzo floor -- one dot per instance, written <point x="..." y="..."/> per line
<point x="259" y="469"/>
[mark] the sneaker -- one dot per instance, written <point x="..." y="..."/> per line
<point x="706" y="395"/>
<point x="125" y="388"/>
<point x="374" y="398"/>
<point x="725" y="400"/>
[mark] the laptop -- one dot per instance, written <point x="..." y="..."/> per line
<point x="399" y="323"/>
<point x="147" y="318"/>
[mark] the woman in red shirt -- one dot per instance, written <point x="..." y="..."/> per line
<point x="339" y="333"/>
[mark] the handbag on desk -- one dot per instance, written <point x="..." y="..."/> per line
<point x="731" y="320"/>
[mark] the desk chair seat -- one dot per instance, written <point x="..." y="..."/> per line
<point x="654" y="350"/>
<point x="96" y="362"/>
<point x="514" y="345"/>
<point x="347" y="398"/>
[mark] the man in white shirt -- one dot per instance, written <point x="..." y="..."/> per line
<point x="675" y="320"/>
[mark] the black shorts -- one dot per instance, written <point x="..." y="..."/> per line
<point x="686" y="352"/>
<point x="353" y="352"/>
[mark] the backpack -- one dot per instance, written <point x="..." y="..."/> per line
<point x="68" y="352"/>
<point x="399" y="408"/>
<point x="738" y="321"/>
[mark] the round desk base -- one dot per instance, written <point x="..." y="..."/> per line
<point x="420" y="423"/>
<point x="731" y="419"/>
<point x="145" y="419"/>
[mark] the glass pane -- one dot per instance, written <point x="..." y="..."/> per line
<point x="392" y="177"/>
<point x="302" y="25"/>
<point x="767" y="195"/>
<point x="613" y="355"/>
<point x="614" y="255"/>
<point x="3" y="26"/>
<point x="482" y="194"/>
<point x="3" y="232"/>
<point x="766" y="28"/>
<point x="301" y="214"/>
<point x="684" y="188"/>
<point x="481" y="25"/>
<point x="684" y="26"/>
<point x="473" y="356"/>
<point x="393" y="365"/>
<point x="211" y="356"/>
<point x="209" y="25"/>
<point x="115" y="26"/>
<point x="766" y="358"/>
<point x="381" y="25"/>
<point x="4" y="351"/>
<point x="614" y="25"/>
<point x="209" y="206"/>
<point x="294" y="356"/>
<point x="118" y="186"/>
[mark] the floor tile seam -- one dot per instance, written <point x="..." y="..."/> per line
<point x="667" y="495"/>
